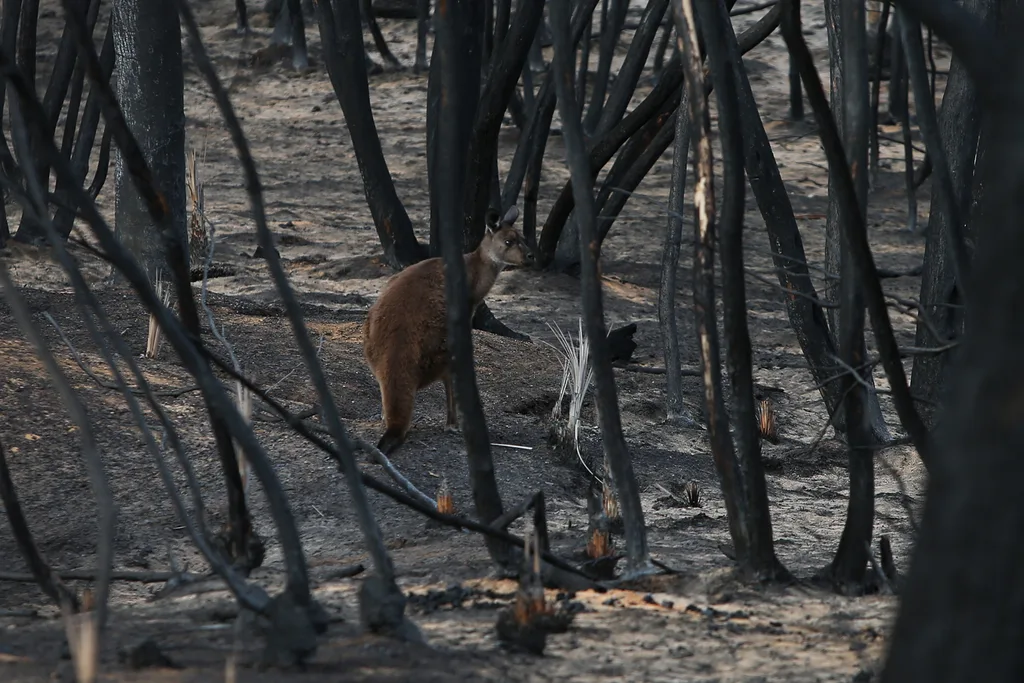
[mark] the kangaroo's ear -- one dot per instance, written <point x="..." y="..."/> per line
<point x="491" y="220"/>
<point x="511" y="215"/>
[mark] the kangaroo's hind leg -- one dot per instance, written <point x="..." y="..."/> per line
<point x="398" y="396"/>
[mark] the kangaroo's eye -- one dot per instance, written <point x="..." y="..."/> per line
<point x="508" y="243"/>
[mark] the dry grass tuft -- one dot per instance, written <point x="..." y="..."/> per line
<point x="766" y="421"/>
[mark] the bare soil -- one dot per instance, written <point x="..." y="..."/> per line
<point x="699" y="624"/>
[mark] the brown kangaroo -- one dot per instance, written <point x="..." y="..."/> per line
<point x="405" y="336"/>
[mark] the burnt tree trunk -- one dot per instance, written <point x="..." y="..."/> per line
<point x="8" y="38"/>
<point x="962" y="612"/>
<point x="840" y="94"/>
<point x="31" y="231"/>
<point x="667" y="316"/>
<point x="619" y="97"/>
<point x="84" y="142"/>
<point x="613" y="18"/>
<point x="482" y="154"/>
<point x="467" y="63"/>
<point x="806" y="315"/>
<point x="740" y="468"/>
<point x="345" y="56"/>
<point x="850" y="563"/>
<point x="452" y="20"/>
<point x="150" y="88"/>
<point x="959" y="121"/>
<point x="615" y="448"/>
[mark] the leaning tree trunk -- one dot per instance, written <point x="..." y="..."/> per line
<point x="150" y="88"/>
<point x="345" y="56"/>
<point x="833" y="227"/>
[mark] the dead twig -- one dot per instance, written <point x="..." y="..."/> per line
<point x="393" y="472"/>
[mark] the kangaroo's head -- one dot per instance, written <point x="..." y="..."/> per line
<point x="503" y="243"/>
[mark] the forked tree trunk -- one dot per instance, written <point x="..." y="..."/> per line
<point x="345" y="56"/>
<point x="738" y="465"/>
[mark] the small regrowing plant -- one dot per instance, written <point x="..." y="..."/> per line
<point x="577" y="374"/>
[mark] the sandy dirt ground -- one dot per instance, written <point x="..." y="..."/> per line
<point x="698" y="625"/>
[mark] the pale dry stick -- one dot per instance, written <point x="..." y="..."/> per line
<point x="154" y="338"/>
<point x="243" y="398"/>
<point x="393" y="472"/>
<point x="82" y="632"/>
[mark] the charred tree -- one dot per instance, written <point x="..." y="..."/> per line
<point x="150" y="88"/>
<point x="375" y="33"/>
<point x="739" y="466"/>
<point x="796" y="93"/>
<point x="481" y="160"/>
<point x="242" y="17"/>
<point x="962" y="610"/>
<point x="841" y="94"/>
<point x="959" y="128"/>
<point x="85" y="141"/>
<point x="613" y="19"/>
<point x="422" y="24"/>
<point x="615" y="447"/>
<point x="8" y="39"/>
<point x="856" y="239"/>
<point x="633" y="165"/>
<point x="451" y="20"/>
<point x="850" y="563"/>
<point x="619" y="96"/>
<point x="806" y="315"/>
<point x="345" y="55"/>
<point x="467" y="63"/>
<point x="30" y="231"/>
<point x="525" y="170"/>
<point x="667" y="316"/>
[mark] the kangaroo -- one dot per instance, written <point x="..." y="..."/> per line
<point x="405" y="336"/>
